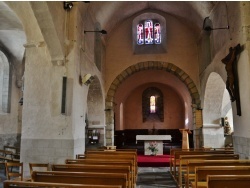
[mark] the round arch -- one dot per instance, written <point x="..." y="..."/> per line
<point x="141" y="66"/>
<point x="217" y="104"/>
<point x="95" y="105"/>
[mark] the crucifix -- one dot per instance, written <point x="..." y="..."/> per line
<point x="232" y="83"/>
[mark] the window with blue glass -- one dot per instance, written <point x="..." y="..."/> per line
<point x="148" y="32"/>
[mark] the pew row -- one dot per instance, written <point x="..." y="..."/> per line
<point x="111" y="155"/>
<point x="91" y="178"/>
<point x="228" y="181"/>
<point x="114" y="154"/>
<point x="202" y="172"/>
<point x="190" y="172"/>
<point x="172" y="153"/>
<point x="95" y="168"/>
<point x="22" y="184"/>
<point x="185" y="158"/>
<point x="177" y="154"/>
<point x="107" y="161"/>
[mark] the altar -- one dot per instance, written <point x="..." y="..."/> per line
<point x="158" y="139"/>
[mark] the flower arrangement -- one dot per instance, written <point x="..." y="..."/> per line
<point x="153" y="147"/>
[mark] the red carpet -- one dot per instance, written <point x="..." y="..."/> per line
<point x="153" y="161"/>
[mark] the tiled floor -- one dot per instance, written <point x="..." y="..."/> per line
<point x="148" y="177"/>
<point x="154" y="177"/>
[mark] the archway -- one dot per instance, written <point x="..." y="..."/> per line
<point x="142" y="66"/>
<point x="217" y="105"/>
<point x="95" y="128"/>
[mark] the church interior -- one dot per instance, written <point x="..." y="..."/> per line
<point x="83" y="75"/>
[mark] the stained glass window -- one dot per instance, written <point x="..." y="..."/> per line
<point x="140" y="34"/>
<point x="148" y="33"/>
<point x="152" y="104"/>
<point x="157" y="33"/>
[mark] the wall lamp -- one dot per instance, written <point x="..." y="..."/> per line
<point x="104" y="32"/>
<point x="207" y="25"/>
<point x="67" y="5"/>
<point x="88" y="79"/>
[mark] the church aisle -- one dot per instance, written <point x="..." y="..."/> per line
<point x="155" y="177"/>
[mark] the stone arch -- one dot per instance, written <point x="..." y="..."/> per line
<point x="95" y="105"/>
<point x="147" y="65"/>
<point x="4" y="84"/>
<point x="216" y="105"/>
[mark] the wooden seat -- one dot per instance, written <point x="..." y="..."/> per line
<point x="38" y="167"/>
<point x="229" y="181"/>
<point x="22" y="184"/>
<point x="14" y="170"/>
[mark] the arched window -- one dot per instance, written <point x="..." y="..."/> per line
<point x="148" y="32"/>
<point x="152" y="104"/>
<point x="4" y="84"/>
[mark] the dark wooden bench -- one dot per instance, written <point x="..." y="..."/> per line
<point x="81" y="178"/>
<point x="21" y="184"/>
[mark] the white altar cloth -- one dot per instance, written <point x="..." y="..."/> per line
<point x="157" y="138"/>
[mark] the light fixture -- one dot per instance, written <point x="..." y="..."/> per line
<point x="207" y="25"/>
<point x="67" y="5"/>
<point x="88" y="79"/>
<point x="104" y="32"/>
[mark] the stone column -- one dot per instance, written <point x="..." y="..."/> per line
<point x="46" y="133"/>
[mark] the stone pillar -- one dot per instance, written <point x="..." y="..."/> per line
<point x="213" y="136"/>
<point x="109" y="127"/>
<point x="46" y="133"/>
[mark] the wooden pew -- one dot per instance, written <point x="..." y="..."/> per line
<point x="177" y="155"/>
<point x="111" y="156"/>
<point x="172" y="153"/>
<point x="6" y="156"/>
<point x="106" y="162"/>
<point x="114" y="155"/>
<point x="15" y="152"/>
<point x="183" y="160"/>
<point x="21" y="184"/>
<point x="95" y="168"/>
<point x="202" y="172"/>
<point x="228" y="181"/>
<point x="191" y="164"/>
<point x="81" y="178"/>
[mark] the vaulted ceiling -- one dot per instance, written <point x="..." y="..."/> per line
<point x="109" y="14"/>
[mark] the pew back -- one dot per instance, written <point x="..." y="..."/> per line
<point x="177" y="155"/>
<point x="228" y="181"/>
<point x="185" y="158"/>
<point x="191" y="164"/>
<point x="95" y="168"/>
<point x="22" y="184"/>
<point x="202" y="172"/>
<point x="81" y="178"/>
